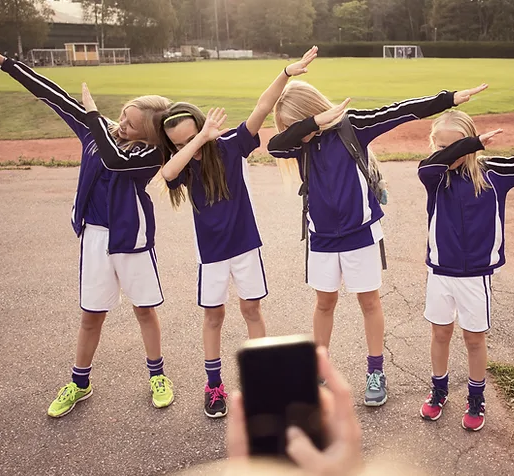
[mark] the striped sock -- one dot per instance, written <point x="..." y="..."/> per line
<point x="80" y="376"/>
<point x="156" y="367"/>
<point x="375" y="363"/>
<point x="440" y="382"/>
<point x="476" y="387"/>
<point x="213" y="369"/>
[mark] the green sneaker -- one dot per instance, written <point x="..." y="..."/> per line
<point x="162" y="391"/>
<point x="67" y="398"/>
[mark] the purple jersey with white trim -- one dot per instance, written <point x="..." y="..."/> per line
<point x="228" y="227"/>
<point x="127" y="209"/>
<point x="342" y="207"/>
<point x="466" y="235"/>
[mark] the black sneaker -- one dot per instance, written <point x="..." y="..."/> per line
<point x="215" y="404"/>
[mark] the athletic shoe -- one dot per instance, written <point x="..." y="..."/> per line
<point x="67" y="398"/>
<point x="432" y="409"/>
<point x="162" y="391"/>
<point x="376" y="393"/>
<point x="474" y="418"/>
<point x="215" y="401"/>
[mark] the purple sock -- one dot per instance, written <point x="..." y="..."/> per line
<point x="440" y="382"/>
<point x="213" y="369"/>
<point x="476" y="387"/>
<point x="375" y="363"/>
<point x="156" y="367"/>
<point x="80" y="376"/>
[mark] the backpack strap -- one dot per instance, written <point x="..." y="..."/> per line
<point x="349" y="139"/>
<point x="304" y="193"/>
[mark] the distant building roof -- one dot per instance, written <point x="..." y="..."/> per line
<point x="67" y="11"/>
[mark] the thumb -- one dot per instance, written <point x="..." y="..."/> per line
<point x="302" y="451"/>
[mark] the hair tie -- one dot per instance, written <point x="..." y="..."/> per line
<point x="175" y="116"/>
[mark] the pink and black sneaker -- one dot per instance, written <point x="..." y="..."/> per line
<point x="432" y="409"/>
<point x="474" y="418"/>
<point x="215" y="401"/>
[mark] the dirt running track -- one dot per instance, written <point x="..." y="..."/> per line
<point x="411" y="137"/>
<point x="118" y="432"/>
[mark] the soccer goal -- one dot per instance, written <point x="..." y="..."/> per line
<point x="114" y="55"/>
<point x="48" y="58"/>
<point x="402" y="51"/>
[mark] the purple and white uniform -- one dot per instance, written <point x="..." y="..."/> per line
<point x="112" y="213"/>
<point x="466" y="238"/>
<point x="227" y="239"/>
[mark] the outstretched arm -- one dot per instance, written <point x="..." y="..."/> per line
<point x="271" y="95"/>
<point x="59" y="100"/>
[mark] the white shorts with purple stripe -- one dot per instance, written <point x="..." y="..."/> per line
<point x="467" y="300"/>
<point x="103" y="276"/>
<point x="247" y="271"/>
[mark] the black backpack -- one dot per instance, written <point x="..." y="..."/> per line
<point x="373" y="178"/>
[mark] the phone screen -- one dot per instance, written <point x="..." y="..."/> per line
<point x="279" y="380"/>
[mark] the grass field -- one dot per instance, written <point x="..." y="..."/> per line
<point x="236" y="85"/>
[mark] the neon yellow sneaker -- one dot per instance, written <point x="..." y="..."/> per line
<point x="162" y="391"/>
<point x="67" y="398"/>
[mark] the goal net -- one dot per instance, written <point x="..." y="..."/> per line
<point x="50" y="57"/>
<point x="402" y="51"/>
<point x="114" y="55"/>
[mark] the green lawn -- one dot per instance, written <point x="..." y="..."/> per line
<point x="236" y="85"/>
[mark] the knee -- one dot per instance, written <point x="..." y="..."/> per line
<point x="442" y="334"/>
<point x="213" y="318"/>
<point x="369" y="302"/>
<point x="251" y="310"/>
<point x="326" y="302"/>
<point x="144" y="314"/>
<point x="475" y="342"/>
<point x="92" y="321"/>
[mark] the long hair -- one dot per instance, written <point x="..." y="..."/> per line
<point x="299" y="101"/>
<point x="473" y="166"/>
<point x="152" y="108"/>
<point x="212" y="168"/>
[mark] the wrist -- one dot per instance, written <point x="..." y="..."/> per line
<point x="286" y="73"/>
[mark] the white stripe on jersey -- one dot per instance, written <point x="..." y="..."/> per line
<point x="498" y="235"/>
<point x="141" y="232"/>
<point x="366" y="209"/>
<point x="432" y="231"/>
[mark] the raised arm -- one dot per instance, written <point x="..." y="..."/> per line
<point x="371" y="123"/>
<point x="269" y="97"/>
<point x="449" y="155"/>
<point x="59" y="100"/>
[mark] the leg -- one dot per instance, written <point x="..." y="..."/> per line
<point x="373" y="321"/>
<point x="251" y="311"/>
<point x="212" y="323"/>
<point x="150" y="331"/>
<point x="89" y="337"/>
<point x="477" y="354"/>
<point x="440" y="348"/>
<point x="323" y="319"/>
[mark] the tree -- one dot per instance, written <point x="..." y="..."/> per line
<point x="354" y="20"/>
<point x="24" y="21"/>
<point x="103" y="12"/>
<point x="290" y="20"/>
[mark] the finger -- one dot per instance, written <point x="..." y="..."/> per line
<point x="222" y="120"/>
<point x="345" y="103"/>
<point x="302" y="451"/>
<point x="209" y="114"/>
<point x="237" y="438"/>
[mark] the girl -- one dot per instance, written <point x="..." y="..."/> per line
<point x="466" y="215"/>
<point x="344" y="214"/>
<point x="211" y="165"/>
<point x="113" y="215"/>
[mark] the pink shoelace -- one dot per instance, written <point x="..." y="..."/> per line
<point x="216" y="393"/>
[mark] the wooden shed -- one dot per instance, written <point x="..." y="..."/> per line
<point x="82" y="54"/>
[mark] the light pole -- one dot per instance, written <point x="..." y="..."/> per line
<point x="435" y="34"/>
<point x="340" y="34"/>
<point x="216" y="27"/>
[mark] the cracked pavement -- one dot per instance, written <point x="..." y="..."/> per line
<point x="118" y="432"/>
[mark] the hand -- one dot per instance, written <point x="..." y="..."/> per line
<point x="87" y="100"/>
<point x="340" y="421"/>
<point x="464" y="96"/>
<point x="332" y="114"/>
<point x="2" y="59"/>
<point x="487" y="138"/>
<point x="300" y="67"/>
<point x="213" y="122"/>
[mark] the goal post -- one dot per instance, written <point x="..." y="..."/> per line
<point x="76" y="54"/>
<point x="402" y="51"/>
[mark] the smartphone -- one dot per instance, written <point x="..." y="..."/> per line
<point x="279" y="382"/>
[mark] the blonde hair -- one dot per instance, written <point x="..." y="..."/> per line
<point x="473" y="166"/>
<point x="299" y="101"/>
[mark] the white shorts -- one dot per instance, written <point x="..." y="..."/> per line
<point x="247" y="270"/>
<point x="102" y="276"/>
<point x="360" y="270"/>
<point x="467" y="298"/>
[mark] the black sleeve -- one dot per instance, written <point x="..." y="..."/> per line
<point x="144" y="161"/>
<point x="453" y="152"/>
<point x="292" y="136"/>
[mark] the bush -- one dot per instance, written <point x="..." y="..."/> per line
<point x="430" y="49"/>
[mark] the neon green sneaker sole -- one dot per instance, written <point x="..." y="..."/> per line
<point x="162" y="391"/>
<point x="67" y="398"/>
